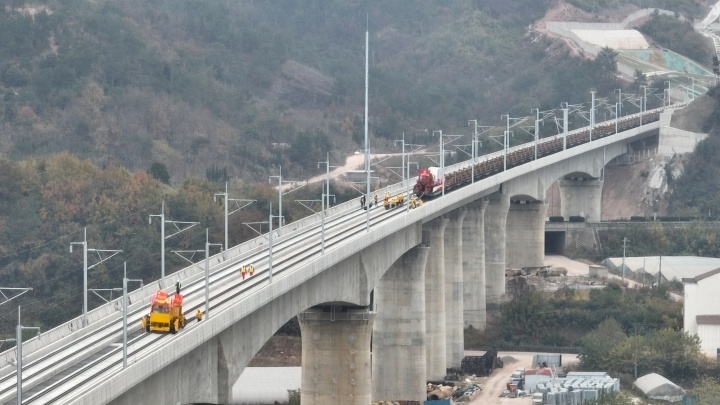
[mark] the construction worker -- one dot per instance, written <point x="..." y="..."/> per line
<point x="376" y="199"/>
<point x="199" y="315"/>
<point x="387" y="199"/>
<point x="252" y="269"/>
<point x="242" y="272"/>
<point x="177" y="287"/>
<point x="362" y="202"/>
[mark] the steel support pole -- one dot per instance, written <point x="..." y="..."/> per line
<point x="442" y="163"/>
<point x="270" y="247"/>
<point x="367" y="145"/>
<point x="85" y="277"/>
<point x="592" y="112"/>
<point x="207" y="273"/>
<point x="616" y="118"/>
<point x="125" y="314"/>
<point x="18" y="345"/>
<point x="565" y="127"/>
<point x="474" y="152"/>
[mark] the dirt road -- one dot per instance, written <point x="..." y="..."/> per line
<point x="497" y="381"/>
<point x="352" y="162"/>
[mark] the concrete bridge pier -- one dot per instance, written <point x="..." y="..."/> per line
<point x="581" y="197"/>
<point x="454" y="337"/>
<point x="526" y="234"/>
<point x="473" y="264"/>
<point x="336" y="355"/>
<point x="398" y="342"/>
<point x="434" y="237"/>
<point x="495" y="233"/>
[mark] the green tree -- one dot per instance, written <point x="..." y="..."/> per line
<point x="525" y="314"/>
<point x="707" y="390"/>
<point x="160" y="172"/>
<point x="616" y="398"/>
<point x="639" y="79"/>
<point x="596" y="345"/>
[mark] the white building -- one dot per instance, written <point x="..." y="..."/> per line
<point x="702" y="310"/>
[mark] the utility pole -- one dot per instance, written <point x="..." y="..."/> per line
<point x="623" y="259"/>
<point x="325" y="197"/>
<point x="565" y="109"/>
<point x="619" y="91"/>
<point x="506" y="140"/>
<point x="207" y="270"/>
<point x="475" y="143"/>
<point x="474" y="139"/>
<point x="186" y="226"/>
<point x="18" y="349"/>
<point x="237" y="208"/>
<point x="537" y="128"/>
<point x="592" y="112"/>
<point x="367" y="145"/>
<point x="641" y="105"/>
<point x="616" y="118"/>
<point x="441" y="174"/>
<point x="270" y="247"/>
<point x="125" y="305"/>
<point x="280" y="181"/>
<point x="86" y="268"/>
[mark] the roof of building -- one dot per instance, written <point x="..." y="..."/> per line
<point x="587" y="374"/>
<point x="672" y="267"/>
<point x="701" y="276"/>
<point x="616" y="39"/>
<point x="656" y="386"/>
<point x="539" y="371"/>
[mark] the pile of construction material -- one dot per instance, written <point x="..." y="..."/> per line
<point x="439" y="391"/>
<point x="467" y="392"/>
<point x="576" y="390"/>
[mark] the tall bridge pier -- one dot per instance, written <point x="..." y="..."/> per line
<point x="336" y="356"/>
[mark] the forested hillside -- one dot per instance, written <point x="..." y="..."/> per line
<point x="94" y="94"/>
<point x="188" y="83"/>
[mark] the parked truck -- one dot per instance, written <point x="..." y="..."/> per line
<point x="166" y="314"/>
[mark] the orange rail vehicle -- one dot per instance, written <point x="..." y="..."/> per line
<point x="166" y="314"/>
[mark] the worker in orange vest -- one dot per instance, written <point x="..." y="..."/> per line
<point x="242" y="272"/>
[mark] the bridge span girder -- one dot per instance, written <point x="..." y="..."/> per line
<point x="228" y="350"/>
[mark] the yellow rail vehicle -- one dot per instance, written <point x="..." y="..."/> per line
<point x="166" y="314"/>
<point x="394" y="201"/>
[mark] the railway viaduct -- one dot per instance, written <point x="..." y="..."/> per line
<point x="409" y="280"/>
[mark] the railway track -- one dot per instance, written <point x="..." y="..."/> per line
<point x="67" y="371"/>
